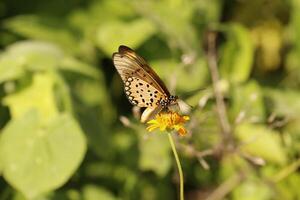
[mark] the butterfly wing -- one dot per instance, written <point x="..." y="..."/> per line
<point x="141" y="93"/>
<point x="150" y="113"/>
<point x="143" y="87"/>
<point x="128" y="63"/>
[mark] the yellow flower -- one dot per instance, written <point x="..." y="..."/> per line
<point x="168" y="121"/>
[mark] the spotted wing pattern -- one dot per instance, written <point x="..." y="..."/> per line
<point x="141" y="93"/>
<point x="143" y="87"/>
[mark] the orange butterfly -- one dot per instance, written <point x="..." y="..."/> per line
<point x="143" y="87"/>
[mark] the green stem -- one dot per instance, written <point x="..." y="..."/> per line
<point x="178" y="166"/>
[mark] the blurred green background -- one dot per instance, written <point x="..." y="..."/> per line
<point x="68" y="131"/>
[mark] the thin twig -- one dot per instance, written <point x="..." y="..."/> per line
<point x="226" y="187"/>
<point x="203" y="163"/>
<point x="285" y="172"/>
<point x="191" y="151"/>
<point x="213" y="67"/>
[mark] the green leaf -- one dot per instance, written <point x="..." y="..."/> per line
<point x="257" y="140"/>
<point x="74" y="65"/>
<point x="92" y="192"/>
<point x="292" y="61"/>
<point x="103" y="10"/>
<point x="291" y="132"/>
<point x="114" y="33"/>
<point x="10" y="69"/>
<point x="268" y="37"/>
<point x="170" y="69"/>
<point x="179" y="31"/>
<point x="39" y="95"/>
<point x="252" y="189"/>
<point x="19" y="196"/>
<point x="99" y="12"/>
<point x="248" y="102"/>
<point x="39" y="157"/>
<point x="28" y="55"/>
<point x="39" y="56"/>
<point x="230" y="165"/>
<point x="1" y="163"/>
<point x="284" y="102"/>
<point x="43" y="28"/>
<point x="238" y="53"/>
<point x="289" y="187"/>
<point x="155" y="154"/>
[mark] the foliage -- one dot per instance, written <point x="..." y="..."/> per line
<point x="68" y="131"/>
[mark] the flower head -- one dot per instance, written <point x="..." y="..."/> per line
<point x="169" y="121"/>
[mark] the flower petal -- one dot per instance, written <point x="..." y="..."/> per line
<point x="186" y="118"/>
<point x="168" y="121"/>
<point x="182" y="131"/>
<point x="152" y="127"/>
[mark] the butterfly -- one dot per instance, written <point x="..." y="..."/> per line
<point x="142" y="85"/>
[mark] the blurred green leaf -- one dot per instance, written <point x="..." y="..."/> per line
<point x="1" y="163"/>
<point x="39" y="56"/>
<point x="115" y="33"/>
<point x="232" y="164"/>
<point x="292" y="59"/>
<point x="257" y="140"/>
<point x="284" y="102"/>
<point x="291" y="134"/>
<point x="86" y="19"/>
<point x="28" y="55"/>
<point x="197" y="72"/>
<point x="237" y="54"/>
<point x="123" y="141"/>
<point x="171" y="70"/>
<point x="179" y="32"/>
<point x="92" y="93"/>
<point x="289" y="188"/>
<point x="104" y="10"/>
<point x="248" y="103"/>
<point x="10" y="69"/>
<point x="43" y="28"/>
<point x="75" y="65"/>
<point x="252" y="189"/>
<point x="110" y="171"/>
<point x="39" y="157"/>
<point x="62" y="94"/>
<point x="155" y="154"/>
<point x="92" y="192"/>
<point x="268" y="39"/>
<point x="209" y="12"/>
<point x="40" y="90"/>
<point x="72" y="194"/>
<point x="68" y="194"/>
<point x="166" y="69"/>
<point x="19" y="196"/>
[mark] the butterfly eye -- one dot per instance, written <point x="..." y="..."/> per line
<point x="172" y="98"/>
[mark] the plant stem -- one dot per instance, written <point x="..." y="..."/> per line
<point x="221" y="108"/>
<point x="287" y="171"/>
<point x="178" y="166"/>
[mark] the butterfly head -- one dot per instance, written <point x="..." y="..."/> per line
<point x="172" y="99"/>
